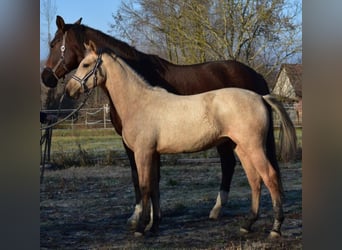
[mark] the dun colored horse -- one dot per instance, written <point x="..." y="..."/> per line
<point x="67" y="51"/>
<point x="156" y="122"/>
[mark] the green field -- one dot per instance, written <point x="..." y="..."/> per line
<point x="80" y="147"/>
<point x="88" y="139"/>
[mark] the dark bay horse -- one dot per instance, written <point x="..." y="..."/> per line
<point x="67" y="51"/>
<point x="158" y="122"/>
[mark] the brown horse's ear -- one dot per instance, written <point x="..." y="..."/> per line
<point x="78" y="21"/>
<point x="60" y="22"/>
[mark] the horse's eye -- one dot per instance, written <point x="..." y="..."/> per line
<point x="86" y="65"/>
<point x="53" y="42"/>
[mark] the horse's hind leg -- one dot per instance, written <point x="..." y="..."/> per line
<point x="228" y="162"/>
<point x="270" y="179"/>
<point x="254" y="181"/>
<point x="155" y="195"/>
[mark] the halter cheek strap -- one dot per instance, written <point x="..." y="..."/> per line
<point x="61" y="59"/>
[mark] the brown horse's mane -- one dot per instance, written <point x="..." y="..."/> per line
<point x="140" y="61"/>
<point x="119" y="47"/>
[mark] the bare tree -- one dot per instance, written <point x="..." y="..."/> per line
<point x="48" y="12"/>
<point x="261" y="33"/>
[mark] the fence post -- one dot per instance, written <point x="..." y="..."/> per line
<point x="104" y="115"/>
<point x="72" y="124"/>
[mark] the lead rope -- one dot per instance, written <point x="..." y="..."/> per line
<point x="71" y="114"/>
<point x="46" y="138"/>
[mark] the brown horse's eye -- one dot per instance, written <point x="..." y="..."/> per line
<point x="53" y="42"/>
<point x="86" y="65"/>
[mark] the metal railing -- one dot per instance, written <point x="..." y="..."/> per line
<point x="99" y="117"/>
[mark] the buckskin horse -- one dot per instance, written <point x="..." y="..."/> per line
<point x="67" y="51"/>
<point x="156" y="122"/>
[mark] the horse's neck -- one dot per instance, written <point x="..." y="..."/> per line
<point x="121" y="48"/>
<point x="126" y="51"/>
<point x="126" y="89"/>
<point x="152" y="67"/>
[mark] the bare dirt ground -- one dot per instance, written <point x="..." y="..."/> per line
<point x="88" y="207"/>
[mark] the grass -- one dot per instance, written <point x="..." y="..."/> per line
<point x="82" y="147"/>
<point x="87" y="139"/>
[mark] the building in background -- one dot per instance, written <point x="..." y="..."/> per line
<point x="288" y="88"/>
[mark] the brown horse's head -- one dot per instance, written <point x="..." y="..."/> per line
<point x="66" y="51"/>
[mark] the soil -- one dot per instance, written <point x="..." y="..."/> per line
<point x="88" y="208"/>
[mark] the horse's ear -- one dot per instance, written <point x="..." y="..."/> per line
<point x="60" y="22"/>
<point x="92" y="46"/>
<point x="86" y="46"/>
<point x="78" y="21"/>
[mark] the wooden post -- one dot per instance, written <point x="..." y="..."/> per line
<point x="104" y="116"/>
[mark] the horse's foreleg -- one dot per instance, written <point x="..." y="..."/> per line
<point x="228" y="163"/>
<point x="148" y="177"/>
<point x="133" y="220"/>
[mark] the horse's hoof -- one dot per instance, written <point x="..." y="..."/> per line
<point x="138" y="234"/>
<point x="151" y="234"/>
<point x="244" y="230"/>
<point x="214" y="214"/>
<point x="132" y="223"/>
<point x="149" y="226"/>
<point x="274" y="234"/>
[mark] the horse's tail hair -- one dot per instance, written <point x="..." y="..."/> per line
<point x="287" y="132"/>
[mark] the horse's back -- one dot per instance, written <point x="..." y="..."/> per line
<point x="199" y="78"/>
<point x="236" y="99"/>
<point x="237" y="109"/>
<point x="192" y="123"/>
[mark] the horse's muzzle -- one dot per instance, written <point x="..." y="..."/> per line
<point x="48" y="78"/>
<point x="72" y="90"/>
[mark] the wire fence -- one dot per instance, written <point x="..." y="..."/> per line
<point x="100" y="117"/>
<point x="84" y="118"/>
<point x="93" y="139"/>
<point x="293" y="112"/>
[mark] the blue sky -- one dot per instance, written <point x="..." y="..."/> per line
<point x="96" y="14"/>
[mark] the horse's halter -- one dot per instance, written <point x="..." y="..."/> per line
<point x="84" y="80"/>
<point x="61" y="59"/>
